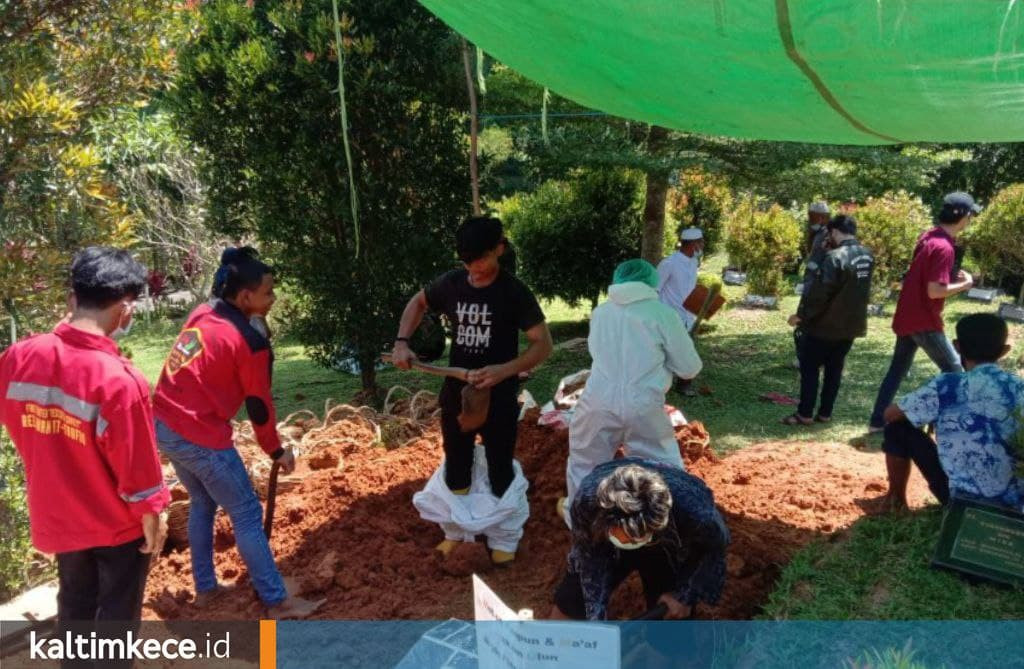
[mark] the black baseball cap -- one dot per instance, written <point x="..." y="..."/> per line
<point x="956" y="205"/>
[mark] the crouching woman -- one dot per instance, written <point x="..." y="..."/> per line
<point x="645" y="516"/>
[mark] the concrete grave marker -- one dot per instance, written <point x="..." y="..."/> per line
<point x="1011" y="312"/>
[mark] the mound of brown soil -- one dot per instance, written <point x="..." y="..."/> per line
<point x="352" y="535"/>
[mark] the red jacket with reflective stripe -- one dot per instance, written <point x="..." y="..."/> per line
<point x="80" y="416"/>
<point x="217" y="363"/>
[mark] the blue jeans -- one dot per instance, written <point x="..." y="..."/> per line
<point x="935" y="344"/>
<point x="218" y="478"/>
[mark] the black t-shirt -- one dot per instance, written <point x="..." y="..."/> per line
<point x="485" y="321"/>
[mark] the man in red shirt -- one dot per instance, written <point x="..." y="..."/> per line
<point x="918" y="318"/>
<point x="219" y="362"/>
<point x="80" y="417"/>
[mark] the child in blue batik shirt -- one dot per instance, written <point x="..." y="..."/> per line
<point x="976" y="415"/>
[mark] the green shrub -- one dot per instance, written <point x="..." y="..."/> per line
<point x="712" y="282"/>
<point x="889" y="226"/>
<point x="16" y="546"/>
<point x="571" y="235"/>
<point x="996" y="240"/>
<point x="762" y="243"/>
<point x="699" y="200"/>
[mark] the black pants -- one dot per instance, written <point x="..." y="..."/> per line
<point x="814" y="354"/>
<point x="650" y="562"/>
<point x="99" y="585"/>
<point x="498" y="433"/>
<point x="904" y="440"/>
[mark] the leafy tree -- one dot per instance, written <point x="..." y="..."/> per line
<point x="996" y="240"/>
<point x="982" y="171"/>
<point x="157" y="175"/>
<point x="700" y="200"/>
<point x="258" y="92"/>
<point x="63" y="62"/>
<point x="783" y="172"/>
<point x="570" y="235"/>
<point x="889" y="226"/>
<point x="763" y="242"/>
<point x="16" y="546"/>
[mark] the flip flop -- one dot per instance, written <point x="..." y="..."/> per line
<point x="795" y="419"/>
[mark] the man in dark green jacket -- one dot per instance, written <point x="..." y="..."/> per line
<point x="833" y="312"/>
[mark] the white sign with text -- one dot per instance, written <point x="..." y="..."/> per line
<point x="505" y="641"/>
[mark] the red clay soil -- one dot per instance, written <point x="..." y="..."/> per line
<point x="350" y="534"/>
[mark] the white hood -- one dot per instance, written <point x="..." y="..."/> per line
<point x="631" y="291"/>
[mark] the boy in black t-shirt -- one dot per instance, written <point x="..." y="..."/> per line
<point x="487" y="308"/>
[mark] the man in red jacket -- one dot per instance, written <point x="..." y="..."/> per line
<point x="219" y="362"/>
<point x="80" y="417"/>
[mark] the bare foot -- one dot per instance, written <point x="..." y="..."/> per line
<point x="294" y="607"/>
<point x="883" y="505"/>
<point x="205" y="599"/>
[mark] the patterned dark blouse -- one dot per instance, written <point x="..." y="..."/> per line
<point x="695" y="539"/>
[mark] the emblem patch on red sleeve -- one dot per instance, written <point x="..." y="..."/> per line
<point x="187" y="348"/>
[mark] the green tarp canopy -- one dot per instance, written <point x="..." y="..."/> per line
<point x="826" y="71"/>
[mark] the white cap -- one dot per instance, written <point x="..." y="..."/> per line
<point x="818" y="208"/>
<point x="691" y="235"/>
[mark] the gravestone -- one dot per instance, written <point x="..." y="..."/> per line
<point x="987" y="295"/>
<point x="733" y="278"/>
<point x="1011" y="312"/>
<point x="982" y="540"/>
<point x="760" y="302"/>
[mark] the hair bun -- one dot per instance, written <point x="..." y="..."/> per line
<point x="231" y="255"/>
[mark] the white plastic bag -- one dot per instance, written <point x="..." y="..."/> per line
<point x="570" y="388"/>
<point x="462" y="517"/>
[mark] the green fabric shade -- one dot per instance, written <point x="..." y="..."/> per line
<point x="826" y="71"/>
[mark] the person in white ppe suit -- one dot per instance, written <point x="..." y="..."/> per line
<point x="637" y="344"/>
<point x="677" y="274"/>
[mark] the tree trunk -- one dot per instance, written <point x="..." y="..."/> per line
<point x="653" y="241"/>
<point x="368" y="374"/>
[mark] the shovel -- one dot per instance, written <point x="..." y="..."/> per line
<point x="475" y="401"/>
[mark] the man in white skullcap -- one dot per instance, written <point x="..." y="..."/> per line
<point x="677" y="274"/>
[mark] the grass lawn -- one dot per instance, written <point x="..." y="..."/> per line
<point x="880" y="572"/>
